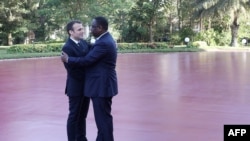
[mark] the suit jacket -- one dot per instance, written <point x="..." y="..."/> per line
<point x="75" y="73"/>
<point x="101" y="78"/>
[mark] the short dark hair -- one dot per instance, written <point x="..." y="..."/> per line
<point x="70" y="24"/>
<point x="102" y="21"/>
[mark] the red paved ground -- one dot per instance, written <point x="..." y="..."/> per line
<point x="174" y="97"/>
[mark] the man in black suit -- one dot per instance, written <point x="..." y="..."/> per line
<point x="101" y="79"/>
<point x="75" y="46"/>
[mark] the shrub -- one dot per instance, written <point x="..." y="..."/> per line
<point x="213" y="38"/>
<point x="35" y="48"/>
<point x="131" y="46"/>
<point x="186" y="32"/>
<point x="199" y="44"/>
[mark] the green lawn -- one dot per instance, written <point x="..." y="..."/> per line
<point x="5" y="55"/>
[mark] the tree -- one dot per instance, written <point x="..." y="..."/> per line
<point x="11" y="17"/>
<point x="52" y="16"/>
<point x="143" y="18"/>
<point x="51" y="19"/>
<point x="232" y="8"/>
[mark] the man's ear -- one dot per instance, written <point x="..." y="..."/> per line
<point x="71" y="32"/>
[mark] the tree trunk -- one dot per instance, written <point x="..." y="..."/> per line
<point x="234" y="33"/>
<point x="209" y="23"/>
<point x="151" y="36"/>
<point x="179" y="2"/>
<point x="171" y="24"/>
<point x="201" y="24"/>
<point x="10" y="43"/>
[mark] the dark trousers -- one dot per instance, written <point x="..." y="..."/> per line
<point x="76" y="123"/>
<point x="103" y="118"/>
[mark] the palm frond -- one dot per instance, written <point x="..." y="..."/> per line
<point x="209" y="8"/>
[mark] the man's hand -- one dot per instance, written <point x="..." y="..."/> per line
<point x="64" y="57"/>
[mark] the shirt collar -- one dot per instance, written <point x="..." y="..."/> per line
<point x="101" y="35"/>
<point x="75" y="40"/>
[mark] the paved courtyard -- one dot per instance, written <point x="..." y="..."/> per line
<point x="162" y="97"/>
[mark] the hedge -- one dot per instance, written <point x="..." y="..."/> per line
<point x="56" y="47"/>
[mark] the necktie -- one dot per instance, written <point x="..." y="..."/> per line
<point x="78" y="47"/>
<point x="79" y="44"/>
<point x="81" y="47"/>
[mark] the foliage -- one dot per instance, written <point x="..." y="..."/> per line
<point x="3" y="38"/>
<point x="199" y="44"/>
<point x="223" y="38"/>
<point x="56" y="47"/>
<point x="231" y="8"/>
<point x="131" y="21"/>
<point x="35" y="48"/>
<point x="244" y="31"/>
<point x="186" y="32"/>
<point x="11" y="17"/>
<point x="176" y="39"/>
<point x="208" y="36"/>
<point x="125" y="46"/>
<point x="5" y="55"/>
<point x="213" y="38"/>
<point x="143" y="17"/>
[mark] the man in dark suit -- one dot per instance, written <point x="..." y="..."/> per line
<point x="101" y="79"/>
<point x="75" y="46"/>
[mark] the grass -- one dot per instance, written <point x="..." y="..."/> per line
<point x="5" y="55"/>
<point x="175" y="49"/>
